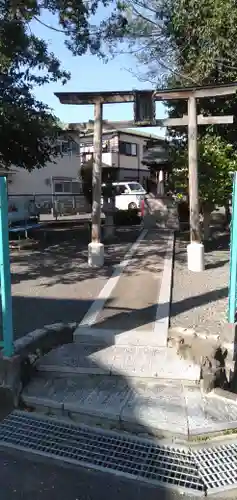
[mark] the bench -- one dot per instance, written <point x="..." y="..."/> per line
<point x="24" y="229"/>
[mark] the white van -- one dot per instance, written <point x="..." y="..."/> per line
<point x="128" y="195"/>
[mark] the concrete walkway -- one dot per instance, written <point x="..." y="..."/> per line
<point x="120" y="372"/>
<point x="137" y="296"/>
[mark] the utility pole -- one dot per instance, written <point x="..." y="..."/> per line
<point x="195" y="250"/>
<point x="96" y="248"/>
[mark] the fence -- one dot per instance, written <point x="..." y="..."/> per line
<point x="25" y="206"/>
<point x="45" y="206"/>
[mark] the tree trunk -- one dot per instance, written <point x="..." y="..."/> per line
<point x="206" y="223"/>
<point x="227" y="214"/>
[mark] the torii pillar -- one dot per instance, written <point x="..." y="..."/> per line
<point x="195" y="249"/>
<point x="144" y="113"/>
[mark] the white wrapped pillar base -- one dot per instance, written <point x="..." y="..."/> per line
<point x="95" y="254"/>
<point x="195" y="254"/>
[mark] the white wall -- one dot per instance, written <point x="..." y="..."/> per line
<point x="110" y="159"/>
<point x="133" y="164"/>
<point x="35" y="182"/>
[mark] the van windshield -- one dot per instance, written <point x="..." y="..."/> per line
<point x="135" y="186"/>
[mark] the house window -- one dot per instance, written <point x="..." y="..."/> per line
<point x="120" y="189"/>
<point x="105" y="146"/>
<point x="127" y="148"/>
<point x="67" y="187"/>
<point x="67" y="147"/>
<point x="58" y="187"/>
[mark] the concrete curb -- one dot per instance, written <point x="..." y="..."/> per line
<point x="225" y="395"/>
<point x="111" y="419"/>
<point x="45" y="338"/>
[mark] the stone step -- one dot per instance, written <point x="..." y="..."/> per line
<point x="135" y="405"/>
<point x="119" y="337"/>
<point x="129" y="361"/>
<point x="111" y="402"/>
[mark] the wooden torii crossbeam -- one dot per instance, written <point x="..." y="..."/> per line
<point x="88" y="127"/>
<point x="145" y="116"/>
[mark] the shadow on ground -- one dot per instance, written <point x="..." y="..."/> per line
<point x="30" y="313"/>
<point x="48" y="481"/>
<point x="56" y="262"/>
<point x="23" y="479"/>
<point x="66" y="262"/>
<point x="219" y="242"/>
<point x="58" y="266"/>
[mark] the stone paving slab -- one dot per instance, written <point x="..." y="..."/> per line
<point x="131" y="361"/>
<point x="99" y="336"/>
<point x="138" y="405"/>
<point x="155" y="405"/>
<point x="71" y="358"/>
<point x="157" y="362"/>
<point x="134" y="299"/>
<point x="49" y="396"/>
<point x="106" y="400"/>
<point x="52" y="393"/>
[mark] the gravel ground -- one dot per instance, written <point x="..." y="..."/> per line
<point x="199" y="300"/>
<point x="54" y="284"/>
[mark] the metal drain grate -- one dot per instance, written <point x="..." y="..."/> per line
<point x="218" y="466"/>
<point x="99" y="449"/>
<point x="202" y="471"/>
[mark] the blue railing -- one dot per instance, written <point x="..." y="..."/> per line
<point x="233" y="257"/>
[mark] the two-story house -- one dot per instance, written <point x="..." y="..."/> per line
<point x="123" y="150"/>
<point x="60" y="180"/>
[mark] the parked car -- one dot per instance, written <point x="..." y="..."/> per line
<point x="128" y="195"/>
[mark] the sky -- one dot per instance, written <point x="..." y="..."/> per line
<point x="88" y="73"/>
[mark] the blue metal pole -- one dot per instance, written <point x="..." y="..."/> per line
<point x="5" y="274"/>
<point x="233" y="256"/>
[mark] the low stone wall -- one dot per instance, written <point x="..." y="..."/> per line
<point x="15" y="372"/>
<point x="208" y="352"/>
<point x="160" y="212"/>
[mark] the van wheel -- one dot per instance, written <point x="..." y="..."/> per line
<point x="132" y="206"/>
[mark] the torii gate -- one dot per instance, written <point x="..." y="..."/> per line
<point x="145" y="116"/>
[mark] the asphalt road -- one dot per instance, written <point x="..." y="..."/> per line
<point x="25" y="479"/>
<point x="53" y="283"/>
